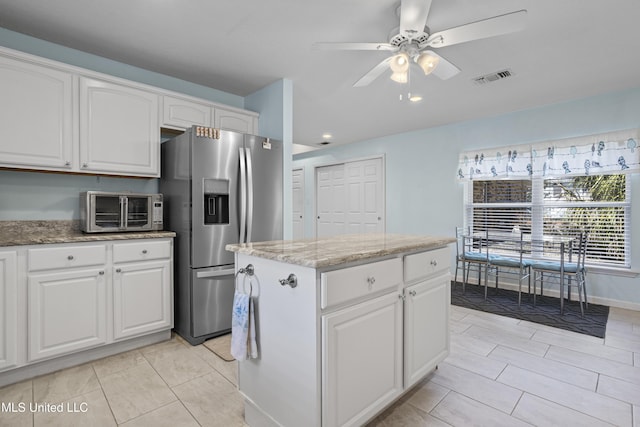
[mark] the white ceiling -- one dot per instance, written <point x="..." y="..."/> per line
<point x="570" y="49"/>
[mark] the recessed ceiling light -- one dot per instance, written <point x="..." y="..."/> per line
<point x="327" y="136"/>
<point x="415" y="98"/>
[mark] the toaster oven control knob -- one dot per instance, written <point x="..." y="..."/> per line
<point x="70" y="257"/>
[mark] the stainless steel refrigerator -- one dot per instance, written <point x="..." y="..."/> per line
<point x="219" y="187"/>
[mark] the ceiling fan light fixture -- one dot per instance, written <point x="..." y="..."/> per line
<point x="399" y="63"/>
<point x="401" y="77"/>
<point x="428" y="62"/>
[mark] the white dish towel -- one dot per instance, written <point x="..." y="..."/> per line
<point x="243" y="328"/>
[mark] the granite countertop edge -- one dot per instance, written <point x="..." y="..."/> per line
<point x="38" y="232"/>
<point x="327" y="252"/>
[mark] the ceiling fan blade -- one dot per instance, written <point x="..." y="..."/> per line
<point x="413" y="17"/>
<point x="498" y="25"/>
<point x="374" y="73"/>
<point x="445" y="69"/>
<point x="354" y="46"/>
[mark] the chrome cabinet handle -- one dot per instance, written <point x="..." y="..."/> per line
<point x="434" y="262"/>
<point x="67" y="163"/>
<point x="101" y="273"/>
<point x="84" y="165"/>
<point x="371" y="280"/>
<point x="412" y="293"/>
<point x="144" y="251"/>
<point x="292" y="281"/>
<point x="70" y="257"/>
<point x="118" y="270"/>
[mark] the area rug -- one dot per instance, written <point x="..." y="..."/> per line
<point x="546" y="311"/>
<point x="221" y="346"/>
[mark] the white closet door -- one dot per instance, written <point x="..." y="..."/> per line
<point x="350" y="198"/>
<point x="364" y="196"/>
<point x="331" y="200"/>
<point x="298" y="203"/>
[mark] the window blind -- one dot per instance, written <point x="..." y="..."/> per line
<point x="597" y="204"/>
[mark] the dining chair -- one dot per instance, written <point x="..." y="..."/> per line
<point x="567" y="264"/>
<point x="515" y="264"/>
<point x="471" y="249"/>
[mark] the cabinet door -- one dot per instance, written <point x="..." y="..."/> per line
<point x="182" y="114"/>
<point x="119" y="129"/>
<point x="361" y="360"/>
<point x="67" y="312"/>
<point x="8" y="310"/>
<point x="142" y="298"/>
<point x="235" y="121"/>
<point x="36" y="116"/>
<point x="426" y="327"/>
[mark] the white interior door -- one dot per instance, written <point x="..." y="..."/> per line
<point x="364" y="196"/>
<point x="331" y="201"/>
<point x="298" y="203"/>
<point x="350" y="198"/>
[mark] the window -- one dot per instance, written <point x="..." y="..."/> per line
<point x="598" y="204"/>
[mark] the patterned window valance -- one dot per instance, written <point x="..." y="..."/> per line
<point x="612" y="152"/>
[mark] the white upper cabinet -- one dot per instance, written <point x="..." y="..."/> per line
<point x="36" y="116"/>
<point x="119" y="129"/>
<point x="235" y="121"/>
<point x="181" y="113"/>
<point x="57" y="117"/>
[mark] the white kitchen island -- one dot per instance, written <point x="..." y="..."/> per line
<point x="365" y="320"/>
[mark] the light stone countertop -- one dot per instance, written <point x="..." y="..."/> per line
<point x="19" y="233"/>
<point x="326" y="252"/>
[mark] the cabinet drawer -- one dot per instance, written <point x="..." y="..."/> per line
<point x="355" y="282"/>
<point x="141" y="251"/>
<point x="66" y="257"/>
<point x="426" y="264"/>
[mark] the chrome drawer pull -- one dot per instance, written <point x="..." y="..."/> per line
<point x="70" y="257"/>
<point x="434" y="262"/>
<point x="144" y="251"/>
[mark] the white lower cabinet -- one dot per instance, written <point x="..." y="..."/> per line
<point x="426" y="341"/>
<point x="8" y="309"/>
<point x="355" y="338"/>
<point x="141" y="298"/>
<point x="79" y="296"/>
<point x="362" y="360"/>
<point x="67" y="312"/>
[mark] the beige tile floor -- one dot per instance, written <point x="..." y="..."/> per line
<point x="501" y="372"/>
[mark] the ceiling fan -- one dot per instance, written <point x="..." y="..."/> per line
<point x="414" y="42"/>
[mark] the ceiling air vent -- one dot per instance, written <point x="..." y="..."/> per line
<point x="488" y="78"/>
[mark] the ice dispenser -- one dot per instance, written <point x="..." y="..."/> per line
<point x="216" y="201"/>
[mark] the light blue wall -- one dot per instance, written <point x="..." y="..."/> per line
<point x="33" y="195"/>
<point x="423" y="196"/>
<point x="275" y="103"/>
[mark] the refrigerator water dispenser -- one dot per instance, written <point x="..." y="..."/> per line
<point x="216" y="201"/>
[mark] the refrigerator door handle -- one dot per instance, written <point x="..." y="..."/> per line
<point x="217" y="273"/>
<point x="249" y="194"/>
<point x="243" y="196"/>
